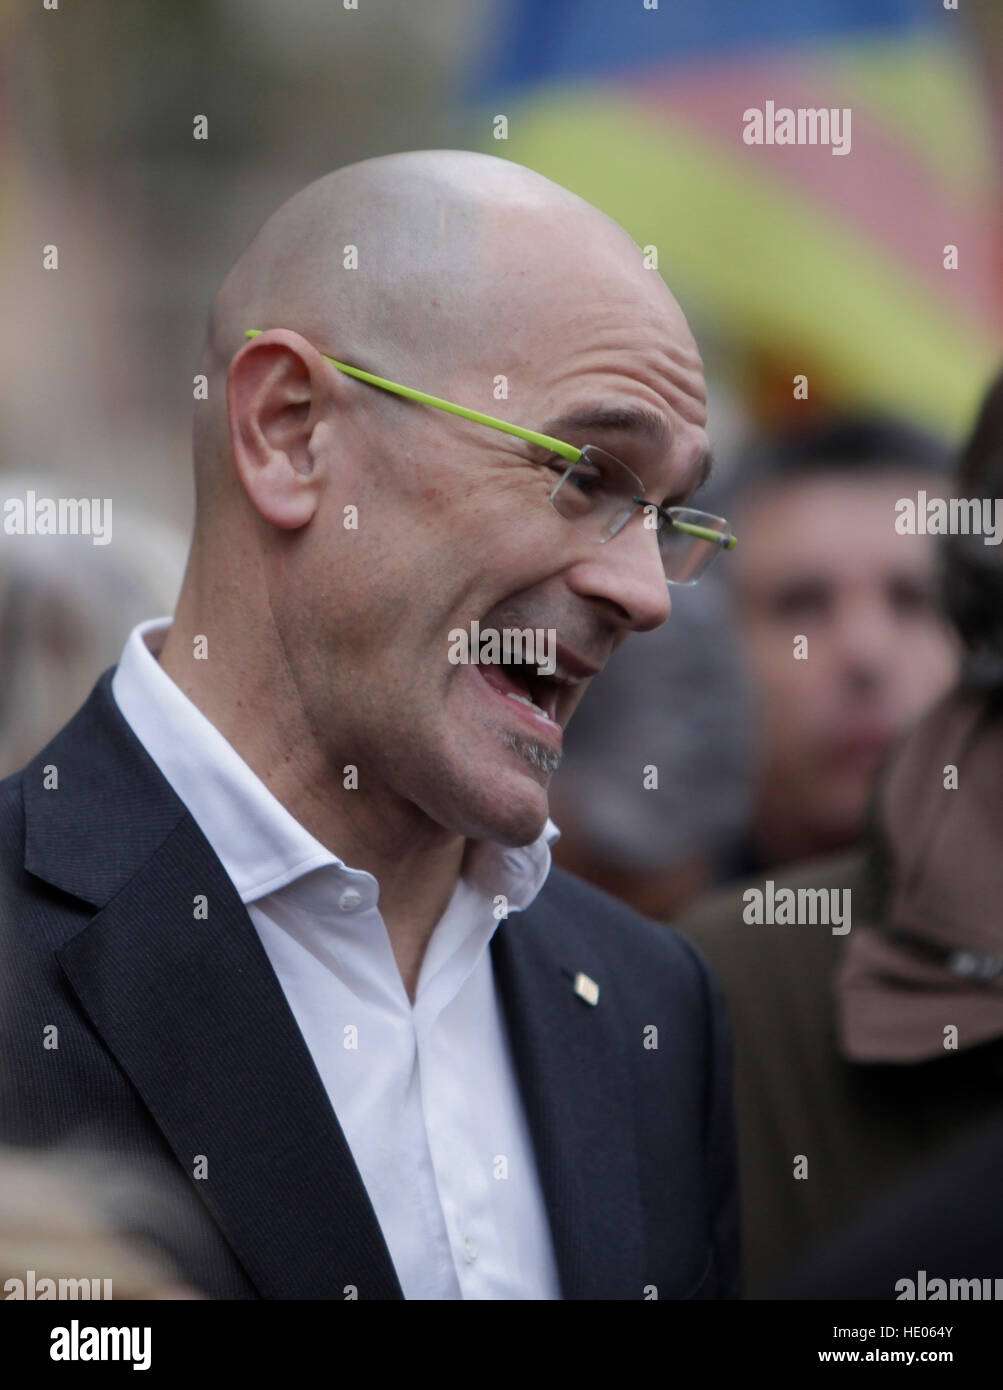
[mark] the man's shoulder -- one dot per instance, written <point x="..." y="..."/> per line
<point x="11" y="823"/>
<point x="10" y="793"/>
<point x="88" y="808"/>
<point x="93" y="713"/>
<point x="46" y="771"/>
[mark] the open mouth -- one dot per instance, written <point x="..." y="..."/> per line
<point x="541" y="703"/>
<point x="521" y="683"/>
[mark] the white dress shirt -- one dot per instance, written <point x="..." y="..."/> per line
<point x="426" y="1094"/>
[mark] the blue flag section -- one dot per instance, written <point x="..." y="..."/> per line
<point x="555" y="40"/>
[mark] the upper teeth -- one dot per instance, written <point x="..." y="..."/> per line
<point x="560" y="674"/>
<point x="525" y="700"/>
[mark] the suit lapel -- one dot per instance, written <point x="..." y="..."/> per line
<point x="193" y="1013"/>
<point x="576" y="1089"/>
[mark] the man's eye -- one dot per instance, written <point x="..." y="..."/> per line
<point x="583" y="477"/>
<point x="807" y="599"/>
<point x="912" y="598"/>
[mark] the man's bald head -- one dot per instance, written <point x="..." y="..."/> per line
<point x="344" y="534"/>
<point x="444" y="241"/>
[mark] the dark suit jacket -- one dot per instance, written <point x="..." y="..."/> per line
<point x="176" y="1040"/>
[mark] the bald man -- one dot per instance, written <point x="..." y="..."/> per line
<point x="280" y="903"/>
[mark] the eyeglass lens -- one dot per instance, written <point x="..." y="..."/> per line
<point x="600" y="492"/>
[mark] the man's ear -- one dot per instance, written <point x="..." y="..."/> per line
<point x="276" y="393"/>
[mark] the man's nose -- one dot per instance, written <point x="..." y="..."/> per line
<point x="627" y="572"/>
<point x="867" y="638"/>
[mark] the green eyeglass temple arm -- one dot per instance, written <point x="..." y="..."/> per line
<point x="725" y="542"/>
<point x="545" y="441"/>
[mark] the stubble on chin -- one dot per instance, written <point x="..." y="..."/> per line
<point x="537" y="754"/>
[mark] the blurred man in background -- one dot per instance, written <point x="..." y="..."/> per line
<point x="839" y="625"/>
<point x="865" y="1051"/>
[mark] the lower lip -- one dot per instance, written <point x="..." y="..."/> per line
<point x="539" y="723"/>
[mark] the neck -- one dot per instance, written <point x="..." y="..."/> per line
<point x="254" y="704"/>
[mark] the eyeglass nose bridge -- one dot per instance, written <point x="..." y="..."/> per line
<point x="724" y="539"/>
<point x="721" y="540"/>
<point x="627" y="514"/>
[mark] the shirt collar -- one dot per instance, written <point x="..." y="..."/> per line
<point x="260" y="844"/>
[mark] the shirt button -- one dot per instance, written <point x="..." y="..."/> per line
<point x="470" y="1250"/>
<point x="350" y="900"/>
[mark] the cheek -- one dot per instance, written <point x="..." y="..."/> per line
<point x="770" y="648"/>
<point x="789" y="694"/>
<point x="927" y="668"/>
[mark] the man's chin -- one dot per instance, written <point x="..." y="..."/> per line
<point x="511" y="809"/>
<point x="515" y="837"/>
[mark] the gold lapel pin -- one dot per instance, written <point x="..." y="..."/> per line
<point x="586" y="988"/>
